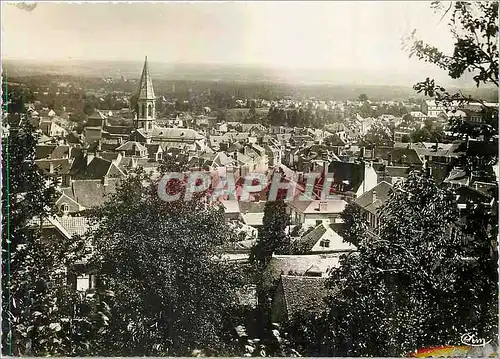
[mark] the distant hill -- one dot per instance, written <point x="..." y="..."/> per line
<point x="321" y="83"/>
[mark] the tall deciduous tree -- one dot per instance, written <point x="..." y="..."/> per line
<point x="172" y="289"/>
<point x="272" y="237"/>
<point x="41" y="314"/>
<point x="421" y="282"/>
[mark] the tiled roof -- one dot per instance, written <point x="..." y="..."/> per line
<point x="154" y="147"/>
<point x="231" y="206"/>
<point x="299" y="264"/>
<point x="457" y="175"/>
<point x="466" y="193"/>
<point x="61" y="151"/>
<point x="109" y="156"/>
<point x="406" y="155"/>
<point x="132" y="146"/>
<point x="397" y="171"/>
<point x="44" y="151"/>
<point x="320" y="152"/>
<point x="235" y="147"/>
<point x="74" y="225"/>
<point x="253" y="219"/>
<point x="60" y="166"/>
<point x="252" y="207"/>
<point x="331" y="206"/>
<point x="302" y="293"/>
<point x="118" y="130"/>
<point x="223" y="160"/>
<point x="97" y="115"/>
<point x="172" y="133"/>
<point x="307" y="242"/>
<point x="92" y="193"/>
<point x="97" y="168"/>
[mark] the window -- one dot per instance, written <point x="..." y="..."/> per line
<point x="150" y="110"/>
<point x="324" y="243"/>
<point x="143" y="112"/>
<point x="83" y="282"/>
<point x="65" y="208"/>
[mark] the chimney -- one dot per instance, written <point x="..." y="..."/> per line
<point x="323" y="206"/>
<point x="374" y="196"/>
<point x="51" y="167"/>
<point x="105" y="181"/>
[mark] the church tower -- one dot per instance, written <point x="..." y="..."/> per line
<point x="145" y="109"/>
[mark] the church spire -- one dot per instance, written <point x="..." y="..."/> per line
<point x="145" y="91"/>
<point x="145" y="109"/>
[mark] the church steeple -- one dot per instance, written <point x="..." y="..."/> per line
<point x="146" y="91"/>
<point x="145" y="111"/>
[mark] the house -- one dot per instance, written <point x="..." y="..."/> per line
<point x="133" y="148"/>
<point x="99" y="168"/>
<point x="155" y="151"/>
<point x="371" y="201"/>
<point x="58" y="168"/>
<point x="231" y="210"/>
<point x="90" y="193"/>
<point x="457" y="177"/>
<point x="431" y="109"/>
<point x="393" y="174"/>
<point x="51" y="129"/>
<point x="352" y="179"/>
<point x="438" y="152"/>
<point x="321" y="239"/>
<point x="92" y="134"/>
<point x="296" y="295"/>
<point x="405" y="157"/>
<point x="96" y="119"/>
<point x="400" y="135"/>
<point x="66" y="228"/>
<point x="313" y="265"/>
<point x="252" y="213"/>
<point x="67" y="205"/>
<point x="157" y="134"/>
<point x="316" y="211"/>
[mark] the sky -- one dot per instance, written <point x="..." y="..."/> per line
<point x="290" y="35"/>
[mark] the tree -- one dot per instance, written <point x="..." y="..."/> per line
<point x="474" y="26"/>
<point x="42" y="315"/>
<point x="420" y="279"/>
<point x="363" y="97"/>
<point x="405" y="139"/>
<point x="173" y="291"/>
<point x="378" y="135"/>
<point x="272" y="237"/>
<point x="354" y="226"/>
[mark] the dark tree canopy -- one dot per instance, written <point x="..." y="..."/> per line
<point x="172" y="289"/>
<point x="419" y="279"/>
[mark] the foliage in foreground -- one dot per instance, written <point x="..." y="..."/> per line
<point x="173" y="292"/>
<point x="421" y="282"/>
